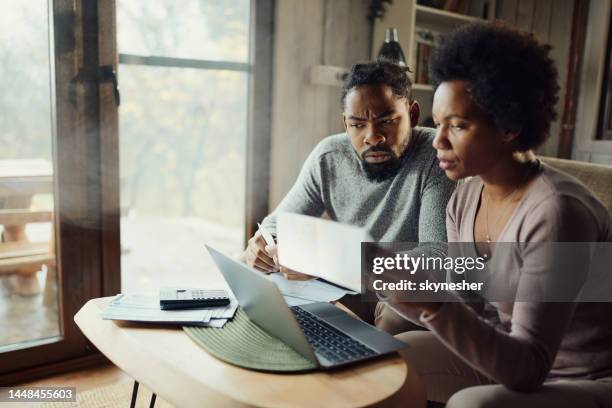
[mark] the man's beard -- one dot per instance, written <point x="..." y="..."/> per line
<point x="380" y="172"/>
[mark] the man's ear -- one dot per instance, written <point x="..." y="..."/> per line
<point x="415" y="113"/>
<point x="344" y="122"/>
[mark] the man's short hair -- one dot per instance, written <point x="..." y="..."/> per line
<point x="378" y="73"/>
<point x="510" y="75"/>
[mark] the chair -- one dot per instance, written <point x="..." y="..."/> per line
<point x="597" y="177"/>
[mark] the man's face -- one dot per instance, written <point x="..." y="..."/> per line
<point x="379" y="125"/>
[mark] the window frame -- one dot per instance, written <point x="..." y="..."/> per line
<point x="259" y="103"/>
<point x="591" y="80"/>
<point x="86" y="125"/>
<point x="604" y="128"/>
<point x="86" y="222"/>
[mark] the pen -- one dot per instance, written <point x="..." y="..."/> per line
<point x="266" y="235"/>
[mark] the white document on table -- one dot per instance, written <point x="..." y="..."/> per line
<point x="308" y="291"/>
<point x="321" y="248"/>
<point x="145" y="308"/>
<point x="295" y="301"/>
<point x="225" y="312"/>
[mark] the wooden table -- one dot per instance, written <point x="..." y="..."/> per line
<point x="181" y="372"/>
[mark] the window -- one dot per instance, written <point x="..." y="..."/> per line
<point x="605" y="112"/>
<point x="183" y="73"/>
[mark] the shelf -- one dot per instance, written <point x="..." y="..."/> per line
<point x="434" y="16"/>
<point x="422" y="87"/>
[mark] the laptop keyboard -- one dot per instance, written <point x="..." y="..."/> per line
<point x="329" y="341"/>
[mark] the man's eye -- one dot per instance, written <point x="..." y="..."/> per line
<point x="357" y="125"/>
<point x="458" y="127"/>
<point x="388" y="121"/>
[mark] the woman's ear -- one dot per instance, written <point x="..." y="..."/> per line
<point x="510" y="135"/>
<point x="415" y="112"/>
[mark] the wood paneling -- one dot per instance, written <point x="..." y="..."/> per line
<point x="309" y="33"/>
<point x="506" y="10"/>
<point x="259" y="113"/>
<point x="559" y="37"/>
<point x="551" y="21"/>
<point x="541" y="19"/>
<point x="525" y="14"/>
<point x="570" y="87"/>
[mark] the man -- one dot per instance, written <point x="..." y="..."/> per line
<point x="381" y="174"/>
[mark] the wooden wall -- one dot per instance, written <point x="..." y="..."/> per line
<point x="309" y="33"/>
<point x="336" y="32"/>
<point x="551" y="21"/>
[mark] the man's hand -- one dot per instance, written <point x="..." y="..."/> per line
<point x="260" y="256"/>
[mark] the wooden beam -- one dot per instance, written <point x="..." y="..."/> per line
<point x="570" y="96"/>
<point x="22" y="217"/>
<point x="20" y="249"/>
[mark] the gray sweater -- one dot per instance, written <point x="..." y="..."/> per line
<point x="409" y="207"/>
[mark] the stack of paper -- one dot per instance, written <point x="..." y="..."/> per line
<point x="310" y="291"/>
<point x="143" y="308"/>
<point x="321" y="248"/>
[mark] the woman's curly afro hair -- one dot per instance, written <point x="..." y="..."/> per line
<point x="510" y="76"/>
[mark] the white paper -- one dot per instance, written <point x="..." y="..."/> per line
<point x="312" y="290"/>
<point x="217" y="323"/>
<point x="321" y="248"/>
<point x="142" y="308"/>
<point x="295" y="301"/>
<point x="226" y="312"/>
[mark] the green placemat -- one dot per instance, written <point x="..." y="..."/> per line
<point x="241" y="342"/>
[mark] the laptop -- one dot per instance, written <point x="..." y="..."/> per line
<point x="320" y="332"/>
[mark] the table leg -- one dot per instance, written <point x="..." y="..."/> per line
<point x="134" y="394"/>
<point x="153" y="398"/>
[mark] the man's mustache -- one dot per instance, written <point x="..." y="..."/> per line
<point x="376" y="149"/>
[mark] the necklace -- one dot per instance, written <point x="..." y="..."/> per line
<point x="501" y="213"/>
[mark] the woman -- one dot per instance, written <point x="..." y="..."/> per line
<point x="494" y="102"/>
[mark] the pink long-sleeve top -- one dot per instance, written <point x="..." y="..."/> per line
<point x="536" y="341"/>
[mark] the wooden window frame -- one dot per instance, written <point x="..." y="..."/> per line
<point x="86" y="126"/>
<point x="259" y="109"/>
<point x="592" y="74"/>
<point x="86" y="196"/>
<point x="604" y="130"/>
<point x="259" y="118"/>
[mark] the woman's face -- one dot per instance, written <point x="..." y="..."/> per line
<point x="467" y="141"/>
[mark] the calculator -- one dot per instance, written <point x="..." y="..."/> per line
<point x="176" y="298"/>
